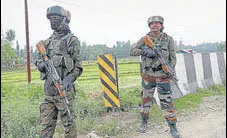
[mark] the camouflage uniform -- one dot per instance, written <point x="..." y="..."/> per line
<point x="154" y="77"/>
<point x="63" y="48"/>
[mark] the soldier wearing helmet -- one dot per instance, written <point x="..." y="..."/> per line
<point x="158" y="19"/>
<point x="63" y="48"/>
<point x="153" y="75"/>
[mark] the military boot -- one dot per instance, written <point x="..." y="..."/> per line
<point x="173" y="131"/>
<point x="143" y="126"/>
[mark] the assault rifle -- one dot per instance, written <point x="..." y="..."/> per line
<point x="52" y="73"/>
<point x="165" y="66"/>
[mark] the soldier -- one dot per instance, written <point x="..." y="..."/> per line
<point x="153" y="75"/>
<point x="63" y="49"/>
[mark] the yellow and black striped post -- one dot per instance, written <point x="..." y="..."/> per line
<point x="108" y="79"/>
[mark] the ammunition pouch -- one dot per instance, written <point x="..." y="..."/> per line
<point x="165" y="53"/>
<point x="68" y="62"/>
<point x="57" y="60"/>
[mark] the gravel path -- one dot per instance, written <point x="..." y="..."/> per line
<point x="207" y="121"/>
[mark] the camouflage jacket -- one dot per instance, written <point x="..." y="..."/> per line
<point x="164" y="43"/>
<point x="64" y="51"/>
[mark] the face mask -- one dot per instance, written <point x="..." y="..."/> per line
<point x="55" y="22"/>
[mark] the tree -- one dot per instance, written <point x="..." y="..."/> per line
<point x="221" y="47"/>
<point x="8" y="55"/>
<point x="121" y="49"/>
<point x="10" y="35"/>
<point x="18" y="49"/>
<point x="35" y="55"/>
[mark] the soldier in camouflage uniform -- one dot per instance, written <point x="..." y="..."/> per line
<point x="153" y="76"/>
<point x="63" y="48"/>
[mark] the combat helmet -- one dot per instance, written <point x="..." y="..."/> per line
<point x="56" y="10"/>
<point x="156" y="19"/>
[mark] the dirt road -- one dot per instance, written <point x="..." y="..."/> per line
<point x="207" y="121"/>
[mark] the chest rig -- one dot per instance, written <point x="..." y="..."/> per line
<point x="161" y="43"/>
<point x="58" y="52"/>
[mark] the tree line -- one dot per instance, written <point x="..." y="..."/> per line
<point x="205" y="47"/>
<point x="12" y="56"/>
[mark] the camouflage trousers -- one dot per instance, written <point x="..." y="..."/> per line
<point x="150" y="81"/>
<point x="49" y="109"/>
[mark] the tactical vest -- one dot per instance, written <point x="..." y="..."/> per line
<point x="161" y="43"/>
<point x="58" y="51"/>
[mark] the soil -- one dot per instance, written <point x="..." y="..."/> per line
<point x="206" y="121"/>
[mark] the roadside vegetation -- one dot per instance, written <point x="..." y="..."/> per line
<point x="20" y="103"/>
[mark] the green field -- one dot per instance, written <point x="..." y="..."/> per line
<point x="20" y="100"/>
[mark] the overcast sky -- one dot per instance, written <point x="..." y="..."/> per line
<point x="107" y="21"/>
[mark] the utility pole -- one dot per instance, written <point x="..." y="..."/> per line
<point x="27" y="41"/>
<point x="2" y="34"/>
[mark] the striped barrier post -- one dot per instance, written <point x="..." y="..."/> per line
<point x="208" y="77"/>
<point x="215" y="68"/>
<point x="190" y="71"/>
<point x="221" y="66"/>
<point x="182" y="76"/>
<point x="200" y="70"/>
<point x="108" y="79"/>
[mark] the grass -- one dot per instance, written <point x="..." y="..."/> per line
<point x="191" y="101"/>
<point x="20" y="102"/>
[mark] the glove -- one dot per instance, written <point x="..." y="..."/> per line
<point x="148" y="52"/>
<point x="62" y="86"/>
<point x="157" y="50"/>
<point x="66" y="82"/>
<point x="43" y="66"/>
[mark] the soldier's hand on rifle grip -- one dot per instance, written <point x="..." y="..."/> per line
<point x="148" y="52"/>
<point x="62" y="86"/>
<point x="43" y="66"/>
<point x="67" y="81"/>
